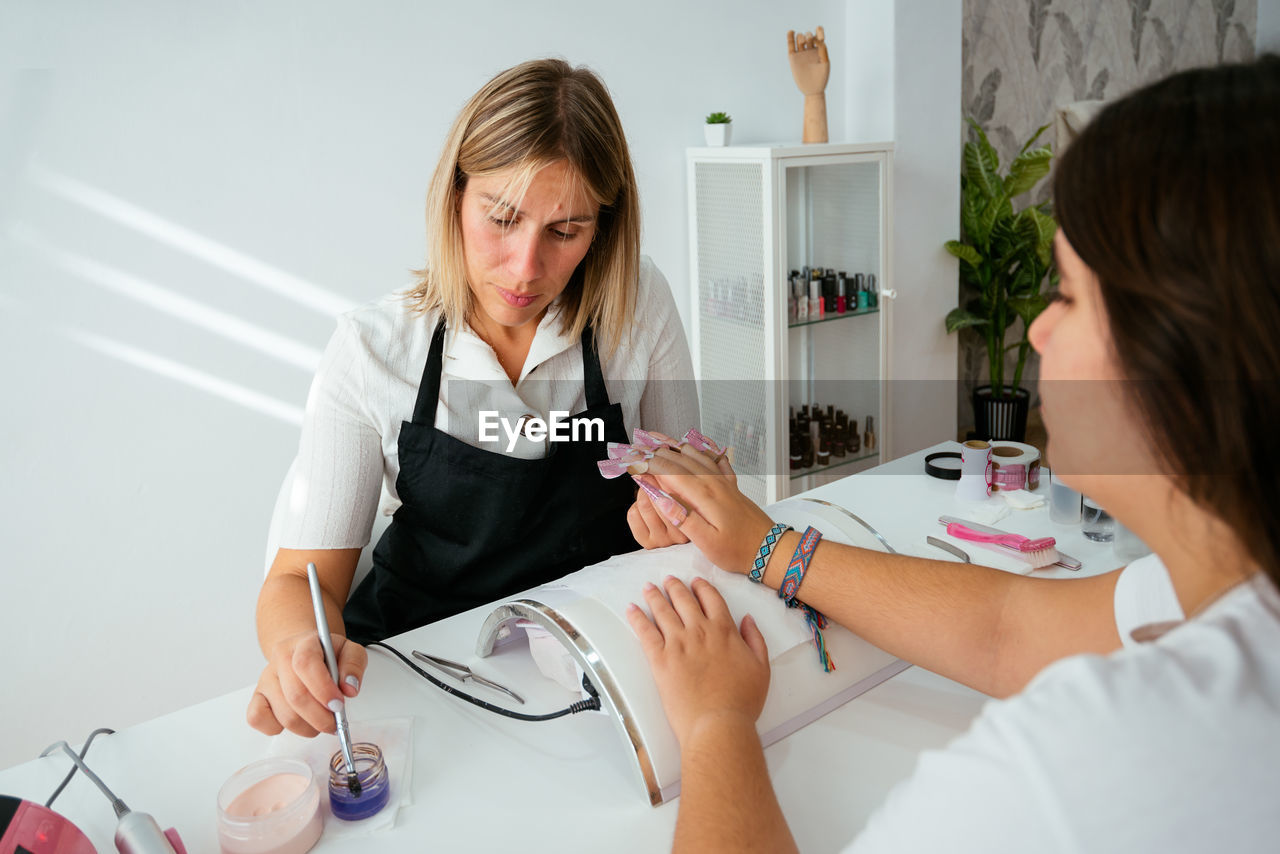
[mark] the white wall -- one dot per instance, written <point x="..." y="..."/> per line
<point x="927" y="136"/>
<point x="1268" y="35"/>
<point x="188" y="194"/>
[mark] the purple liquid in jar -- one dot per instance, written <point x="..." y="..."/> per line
<point x="375" y="784"/>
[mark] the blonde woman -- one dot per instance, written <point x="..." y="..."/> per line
<point x="482" y="399"/>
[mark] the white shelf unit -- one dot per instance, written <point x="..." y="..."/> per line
<point x="755" y="214"/>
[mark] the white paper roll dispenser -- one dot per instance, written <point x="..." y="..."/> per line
<point x="585" y="611"/>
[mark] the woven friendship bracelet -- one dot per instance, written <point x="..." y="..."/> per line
<point x="791" y="585"/>
<point x="799" y="565"/>
<point x="766" y="549"/>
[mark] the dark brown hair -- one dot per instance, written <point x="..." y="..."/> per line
<point x="1171" y="196"/>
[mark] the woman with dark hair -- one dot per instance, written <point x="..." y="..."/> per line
<point x="1160" y="367"/>
<point x="535" y="305"/>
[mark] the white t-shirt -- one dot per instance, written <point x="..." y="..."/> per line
<point x="368" y="381"/>
<point x="1144" y="597"/>
<point x="1169" y="746"/>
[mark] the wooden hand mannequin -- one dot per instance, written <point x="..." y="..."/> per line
<point x="811" y="68"/>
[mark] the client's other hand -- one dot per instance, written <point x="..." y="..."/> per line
<point x="706" y="667"/>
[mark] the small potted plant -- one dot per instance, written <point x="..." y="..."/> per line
<point x="718" y="127"/>
<point x="1005" y="259"/>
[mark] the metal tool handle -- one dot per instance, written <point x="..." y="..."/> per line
<point x="322" y="622"/>
<point x="330" y="659"/>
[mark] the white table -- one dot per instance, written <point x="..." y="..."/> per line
<point x="484" y="783"/>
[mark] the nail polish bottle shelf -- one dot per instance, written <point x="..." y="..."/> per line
<point x="836" y="463"/>
<point x="795" y="324"/>
<point x="755" y="214"/>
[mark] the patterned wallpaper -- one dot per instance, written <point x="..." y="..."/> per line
<point x="1024" y="58"/>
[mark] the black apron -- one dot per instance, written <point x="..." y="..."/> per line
<point x="475" y="526"/>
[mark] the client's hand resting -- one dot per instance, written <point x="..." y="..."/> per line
<point x="705" y="666"/>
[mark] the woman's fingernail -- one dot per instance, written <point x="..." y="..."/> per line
<point x="648" y="585"/>
<point x="673" y="510"/>
<point x="335" y="706"/>
<point x="353" y="681"/>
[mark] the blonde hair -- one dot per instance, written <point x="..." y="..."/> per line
<point x="525" y="118"/>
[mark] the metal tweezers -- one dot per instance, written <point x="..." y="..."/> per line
<point x="462" y="673"/>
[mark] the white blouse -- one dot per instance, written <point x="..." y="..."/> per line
<point x="368" y="380"/>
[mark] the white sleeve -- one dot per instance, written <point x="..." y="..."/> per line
<point x="337" y="475"/>
<point x="670" y="400"/>
<point x="1144" y="595"/>
<point x="973" y="796"/>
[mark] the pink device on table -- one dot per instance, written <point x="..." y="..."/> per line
<point x="25" y="826"/>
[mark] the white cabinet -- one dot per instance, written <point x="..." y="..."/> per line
<point x="755" y="214"/>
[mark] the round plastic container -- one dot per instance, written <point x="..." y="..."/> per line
<point x="375" y="785"/>
<point x="270" y="807"/>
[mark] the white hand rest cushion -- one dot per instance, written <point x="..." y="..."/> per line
<point x="586" y="611"/>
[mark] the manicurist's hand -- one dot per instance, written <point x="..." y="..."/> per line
<point x="651" y="529"/>
<point x="707" y="668"/>
<point x="295" y="687"/>
<point x="724" y="524"/>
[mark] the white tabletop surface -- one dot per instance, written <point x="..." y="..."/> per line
<point x="485" y="783"/>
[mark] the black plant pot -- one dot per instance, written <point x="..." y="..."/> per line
<point x="1002" y="418"/>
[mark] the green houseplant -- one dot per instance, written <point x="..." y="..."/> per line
<point x="718" y="128"/>
<point x="1005" y="259"/>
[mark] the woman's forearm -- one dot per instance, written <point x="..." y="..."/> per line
<point x="284" y="603"/>
<point x="726" y="800"/>
<point x="986" y="628"/>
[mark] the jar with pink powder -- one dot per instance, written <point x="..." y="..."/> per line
<point x="270" y="807"/>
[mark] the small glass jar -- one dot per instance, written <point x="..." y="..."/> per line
<point x="1096" y="523"/>
<point x="375" y="784"/>
<point x="270" y="807"/>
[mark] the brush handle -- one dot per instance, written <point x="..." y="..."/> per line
<point x="1013" y="541"/>
<point x="331" y="660"/>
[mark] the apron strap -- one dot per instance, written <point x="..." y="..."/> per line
<point x="592" y="376"/>
<point x="424" y="408"/>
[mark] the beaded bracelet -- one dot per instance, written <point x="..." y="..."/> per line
<point x="791" y="585"/>
<point x="766" y="549"/>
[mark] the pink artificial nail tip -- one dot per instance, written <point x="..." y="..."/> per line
<point x="701" y="442"/>
<point x="667" y="506"/>
<point x="645" y="439"/>
<point x="612" y="468"/>
<point x="617" y="450"/>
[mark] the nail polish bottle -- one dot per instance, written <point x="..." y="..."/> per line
<point x="795" y="453"/>
<point x="806" y="451"/>
<point x="824" y="451"/>
<point x="842" y="293"/>
<point x="837" y="441"/>
<point x="815" y="297"/>
<point x="869" y="437"/>
<point x="860" y="285"/>
<point x="855" y="442"/>
<point x="873" y="293"/>
<point x="829" y="291"/>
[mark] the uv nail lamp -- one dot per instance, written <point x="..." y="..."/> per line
<point x="586" y="612"/>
